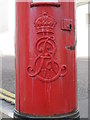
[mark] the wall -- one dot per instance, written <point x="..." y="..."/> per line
<point x="82" y="31"/>
<point x="3" y="15"/>
<point x="7" y="27"/>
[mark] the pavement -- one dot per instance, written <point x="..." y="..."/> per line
<point x="2" y="115"/>
<point x="8" y="73"/>
<point x="8" y="82"/>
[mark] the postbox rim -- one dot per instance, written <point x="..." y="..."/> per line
<point x="37" y="4"/>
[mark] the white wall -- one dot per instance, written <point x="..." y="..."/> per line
<point x="7" y="27"/>
<point x="3" y="15"/>
<point x="82" y="31"/>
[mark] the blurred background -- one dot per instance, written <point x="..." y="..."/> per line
<point x="7" y="27"/>
<point x="7" y="52"/>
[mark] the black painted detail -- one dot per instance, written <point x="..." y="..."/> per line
<point x="70" y="116"/>
<point x="70" y="27"/>
<point x="72" y="47"/>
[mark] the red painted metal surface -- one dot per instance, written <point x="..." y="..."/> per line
<point x="45" y="66"/>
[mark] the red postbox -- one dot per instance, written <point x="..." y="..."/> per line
<point x="46" y="83"/>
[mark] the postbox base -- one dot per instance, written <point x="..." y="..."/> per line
<point x="71" y="116"/>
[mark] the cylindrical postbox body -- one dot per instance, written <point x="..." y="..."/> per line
<point x="46" y="83"/>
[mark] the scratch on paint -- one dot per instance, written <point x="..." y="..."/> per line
<point x="32" y="88"/>
<point x="61" y="85"/>
<point x="48" y="90"/>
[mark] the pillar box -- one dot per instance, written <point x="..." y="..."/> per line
<point x="45" y="62"/>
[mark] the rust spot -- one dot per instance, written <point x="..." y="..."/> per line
<point x="54" y="114"/>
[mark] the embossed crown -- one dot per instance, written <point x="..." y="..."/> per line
<point x="45" y="24"/>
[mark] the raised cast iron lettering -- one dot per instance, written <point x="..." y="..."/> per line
<point x="45" y="67"/>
